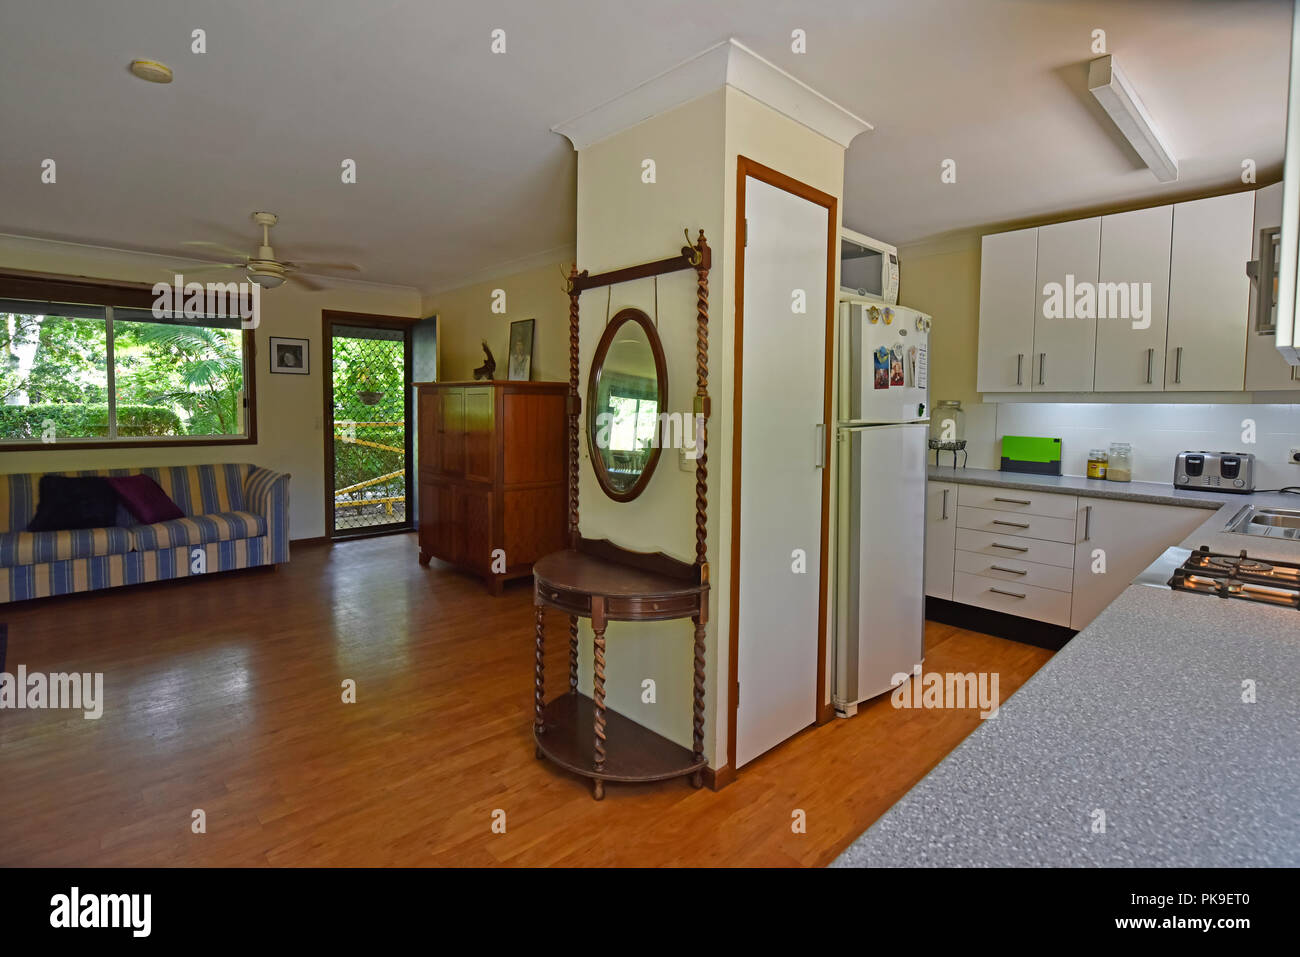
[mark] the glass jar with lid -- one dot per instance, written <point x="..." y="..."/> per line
<point x="948" y="423"/>
<point x="1097" y="462"/>
<point x="1119" y="465"/>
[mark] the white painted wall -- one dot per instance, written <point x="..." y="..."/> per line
<point x="290" y="436"/>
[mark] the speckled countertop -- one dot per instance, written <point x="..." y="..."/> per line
<point x="1141" y="717"/>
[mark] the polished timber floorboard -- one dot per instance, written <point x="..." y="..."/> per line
<point x="224" y="695"/>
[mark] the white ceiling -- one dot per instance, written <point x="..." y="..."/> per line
<point x="459" y="174"/>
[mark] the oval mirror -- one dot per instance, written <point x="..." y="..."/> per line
<point x="626" y="391"/>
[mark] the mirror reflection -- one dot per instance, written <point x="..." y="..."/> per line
<point x="627" y="394"/>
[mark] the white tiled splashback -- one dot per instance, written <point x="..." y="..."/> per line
<point x="1157" y="432"/>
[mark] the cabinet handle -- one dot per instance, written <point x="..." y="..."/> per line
<point x="1013" y="571"/>
<point x="1013" y="501"/>
<point x="1087" y="522"/>
<point x="1151" y="355"/>
<point x="1020" y="362"/>
<point x="1178" y="364"/>
<point x="1042" y="366"/>
<point x="1010" y="593"/>
<point x="998" y="521"/>
<point x="1010" y="548"/>
<point x="945" y="505"/>
<point x="819" y="460"/>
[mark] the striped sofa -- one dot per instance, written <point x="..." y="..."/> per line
<point x="236" y="516"/>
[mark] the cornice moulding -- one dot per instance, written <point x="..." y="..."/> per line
<point x="729" y="63"/>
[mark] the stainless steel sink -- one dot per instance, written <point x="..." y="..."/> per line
<point x="1270" y="522"/>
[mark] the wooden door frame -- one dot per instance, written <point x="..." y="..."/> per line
<point x="330" y="319"/>
<point x="745" y="168"/>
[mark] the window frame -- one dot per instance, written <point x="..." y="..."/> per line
<point x="133" y="295"/>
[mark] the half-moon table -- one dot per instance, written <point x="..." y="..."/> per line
<point x="602" y="582"/>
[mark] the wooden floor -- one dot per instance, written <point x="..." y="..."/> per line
<point x="224" y="694"/>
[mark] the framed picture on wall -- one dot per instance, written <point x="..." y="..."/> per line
<point x="289" y="355"/>
<point x="521" y="350"/>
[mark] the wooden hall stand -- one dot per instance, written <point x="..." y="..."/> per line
<point x="605" y="582"/>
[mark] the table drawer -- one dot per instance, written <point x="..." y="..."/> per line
<point x="1014" y="570"/>
<point x="1050" y="505"/>
<point x="1013" y="546"/>
<point x="1021" y="525"/>
<point x="1027" y="601"/>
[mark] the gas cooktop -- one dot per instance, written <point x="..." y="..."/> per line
<point x="1239" y="576"/>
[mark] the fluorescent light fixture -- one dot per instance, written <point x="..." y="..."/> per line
<point x="1120" y="101"/>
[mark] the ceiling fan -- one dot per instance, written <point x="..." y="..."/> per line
<point x="262" y="266"/>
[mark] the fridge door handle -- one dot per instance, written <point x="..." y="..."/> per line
<point x="819" y="456"/>
<point x="945" y="505"/>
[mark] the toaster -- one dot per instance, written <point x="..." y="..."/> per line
<point x="1215" y="471"/>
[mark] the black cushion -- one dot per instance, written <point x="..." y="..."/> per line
<point x="65" y="502"/>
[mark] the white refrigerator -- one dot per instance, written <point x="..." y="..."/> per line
<point x="881" y="431"/>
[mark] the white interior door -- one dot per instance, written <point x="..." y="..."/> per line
<point x="783" y="438"/>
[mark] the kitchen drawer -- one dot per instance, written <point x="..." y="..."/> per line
<point x="1017" y="500"/>
<point x="1013" y="546"/>
<point x="1027" y="601"/>
<point x="1006" y="523"/>
<point x="1014" y="570"/>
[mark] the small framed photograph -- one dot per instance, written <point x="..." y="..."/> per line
<point x="520" y="368"/>
<point x="289" y="355"/>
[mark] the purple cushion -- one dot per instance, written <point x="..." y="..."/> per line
<point x="145" y="499"/>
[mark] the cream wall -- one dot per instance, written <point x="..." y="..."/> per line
<point x="622" y="221"/>
<point x="466" y="319"/>
<point x="290" y="436"/>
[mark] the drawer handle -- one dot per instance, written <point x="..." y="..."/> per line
<point x="998" y="521"/>
<point x="1010" y="594"/>
<point x="1010" y="548"/>
<point x="1013" y="571"/>
<point x="1013" y="501"/>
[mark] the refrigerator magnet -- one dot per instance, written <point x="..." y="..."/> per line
<point x="889" y="316"/>
<point x="896" y="365"/>
<point x="873" y="314"/>
<point x="880" y="361"/>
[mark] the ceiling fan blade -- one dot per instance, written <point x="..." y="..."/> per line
<point x="350" y="267"/>
<point x="222" y="247"/>
<point x="303" y="281"/>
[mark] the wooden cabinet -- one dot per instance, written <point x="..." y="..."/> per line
<point x="1008" y="304"/>
<point x="940" y="537"/>
<point x="1064" y="342"/>
<point x="492" y="475"/>
<point x="1134" y="255"/>
<point x="1115" y="541"/>
<point x="1266" y="370"/>
<point x="1209" y="294"/>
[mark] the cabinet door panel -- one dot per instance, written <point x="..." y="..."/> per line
<point x="430" y="431"/>
<point x="440" y="532"/>
<point x="1064" y="345"/>
<point x="451" y="432"/>
<point x="1209" y="294"/>
<point x="940" y="538"/>
<point x="1116" y="541"/>
<point x="1007" y="302"/>
<point x="1135" y="250"/>
<point x="474" y="512"/>
<point x="479" y="434"/>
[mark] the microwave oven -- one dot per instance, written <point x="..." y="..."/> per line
<point x="868" y="267"/>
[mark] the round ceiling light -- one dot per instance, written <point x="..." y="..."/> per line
<point x="152" y="70"/>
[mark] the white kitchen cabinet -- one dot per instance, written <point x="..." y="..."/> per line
<point x="1065" y="343"/>
<point x="1266" y="370"/>
<point x="1209" y="294"/>
<point x="1008" y="303"/>
<point x="1122" y="538"/>
<point x="940" y="538"/>
<point x="1135" y="248"/>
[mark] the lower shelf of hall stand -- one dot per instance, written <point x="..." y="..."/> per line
<point x="632" y="752"/>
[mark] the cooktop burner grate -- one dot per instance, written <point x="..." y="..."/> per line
<point x="1239" y="576"/>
